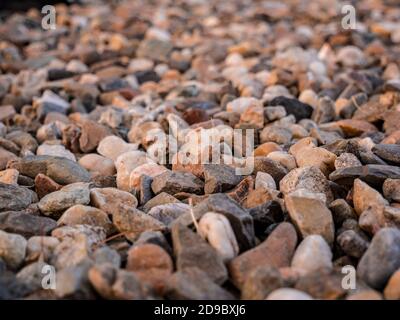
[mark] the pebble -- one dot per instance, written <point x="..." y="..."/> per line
<point x="288" y="294"/>
<point x="219" y="178"/>
<point x="112" y="147"/>
<point x="388" y="152"/>
<point x="97" y="165"/>
<point x="365" y="197"/>
<point x="192" y="251"/>
<point x="66" y="197"/>
<point x="107" y="255"/>
<point x="151" y="264"/>
<point x="381" y="259"/>
<point x="80" y="214"/>
<point x="276" y="251"/>
<point x="13" y="197"/>
<point x="194" y="284"/>
<point x="309" y="213"/>
<point x="216" y="229"/>
<point x="311" y="254"/>
<point x="12" y="249"/>
<point x="173" y="182"/>
<point x="9" y="176"/>
<point x="55" y="151"/>
<point x="391" y="189"/>
<point x="168" y="213"/>
<point x="352" y="244"/>
<point x="346" y="160"/>
<point x="108" y="199"/>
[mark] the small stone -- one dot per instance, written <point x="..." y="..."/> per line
<point x="107" y="255"/>
<point x="109" y="199"/>
<point x="12" y="249"/>
<point x="318" y="157"/>
<point x="26" y="224"/>
<point x="194" y="284"/>
<point x="167" y="213"/>
<point x="13" y="197"/>
<point x="352" y="244"/>
<point x="309" y="178"/>
<point x="155" y="49"/>
<point x="216" y="229"/>
<point x="132" y="222"/>
<point x="192" y="251"/>
<point x="41" y="246"/>
<point x="391" y="189"/>
<point x="392" y="289"/>
<point x="97" y="165"/>
<point x="275" y="113"/>
<point x="126" y="163"/>
<point x="322" y="284"/>
<point x="9" y="176"/>
<point x="50" y="102"/>
<point x="55" y="150"/>
<point x="61" y="170"/>
<point x="79" y="214"/>
<point x="173" y="182"/>
<point x="219" y="178"/>
<point x="288" y="294"/>
<point x="266" y="148"/>
<point x="5" y="157"/>
<point x="112" y="147"/>
<point x="265" y="215"/>
<point x="265" y="164"/>
<point x="389" y="152"/>
<point x="92" y="133"/>
<point x="276" y="251"/>
<point x="151" y="264"/>
<point x="240" y="105"/>
<point x="341" y="211"/>
<point x="373" y="174"/>
<point x="311" y="254"/>
<point x="381" y="259"/>
<point x="324" y="111"/>
<point x="364" y="197"/>
<point x="261" y="282"/>
<point x="310" y="214"/>
<point x="265" y="180"/>
<point x="149" y="169"/>
<point x="293" y="106"/>
<point x="284" y="159"/>
<point x="347" y="160"/>
<point x="72" y="194"/>
<point x="31" y="276"/>
<point x="351" y="56"/>
<point x="160" y="199"/>
<point x="45" y="185"/>
<point x="278" y="135"/>
<point x="354" y="128"/>
<point x="7" y="112"/>
<point x="253" y="117"/>
<point x="239" y="219"/>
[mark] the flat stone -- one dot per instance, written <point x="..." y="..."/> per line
<point x="311" y="254"/>
<point x="15" y="197"/>
<point x="109" y="199"/>
<point x="216" y="229"/>
<point x="388" y="152"/>
<point x="66" y="197"/>
<point x="194" y="284"/>
<point x="373" y="174"/>
<point x="381" y="259"/>
<point x="261" y="282"/>
<point x="173" y="182"/>
<point x="293" y="106"/>
<point x="80" y="214"/>
<point x="276" y="251"/>
<point x="112" y="147"/>
<point x="309" y="178"/>
<point x="354" y="128"/>
<point x="275" y="134"/>
<point x="12" y="249"/>
<point x="26" y="224"/>
<point x="55" y="150"/>
<point x="219" y="178"/>
<point x="192" y="251"/>
<point x="61" y="170"/>
<point x="151" y="264"/>
<point x="310" y="214"/>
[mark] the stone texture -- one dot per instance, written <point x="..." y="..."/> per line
<point x="109" y="199"/>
